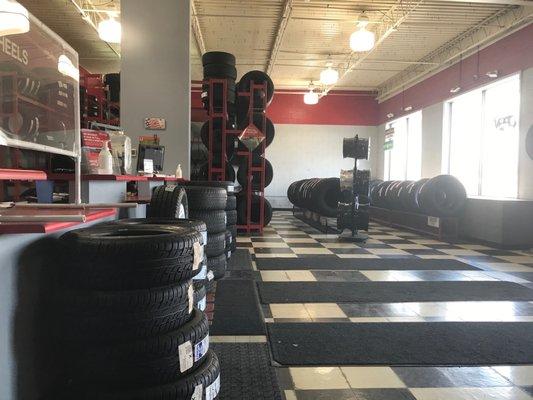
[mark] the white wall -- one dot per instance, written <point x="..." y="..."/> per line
<point x="309" y="151"/>
<point x="432" y="130"/>
<point x="155" y="75"/>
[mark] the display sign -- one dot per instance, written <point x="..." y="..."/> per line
<point x="389" y="135"/>
<point x="252" y="137"/>
<point x="155" y="124"/>
<point x="39" y="92"/>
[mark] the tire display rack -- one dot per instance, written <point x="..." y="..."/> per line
<point x="220" y="112"/>
<point x="94" y="93"/>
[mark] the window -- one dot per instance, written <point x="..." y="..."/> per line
<point x="480" y="140"/>
<point x="404" y="160"/>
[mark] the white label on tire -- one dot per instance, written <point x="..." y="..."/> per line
<point x="198" y="255"/>
<point x="170" y="188"/>
<point x="229" y="253"/>
<point x="202" y="304"/>
<point x="204" y="237"/>
<point x="225" y="219"/>
<point x="186" y="356"/>
<point x="434" y="222"/>
<point x="231" y="188"/>
<point x="200" y="348"/>
<point x="212" y="390"/>
<point x="210" y="275"/>
<point x="198" y="392"/>
<point x="191" y="297"/>
<point x="202" y="274"/>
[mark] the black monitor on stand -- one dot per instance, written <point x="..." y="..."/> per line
<point x="152" y="152"/>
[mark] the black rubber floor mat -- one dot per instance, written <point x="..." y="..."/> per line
<point x="336" y="263"/>
<point x="236" y="310"/>
<point x="246" y="372"/>
<point x="406" y="343"/>
<point x="391" y="292"/>
<point x="240" y="260"/>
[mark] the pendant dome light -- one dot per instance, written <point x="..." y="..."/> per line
<point x="311" y="97"/>
<point x="110" y="30"/>
<point x="329" y="76"/>
<point x="14" y="18"/>
<point x="67" y="68"/>
<point x="362" y="39"/>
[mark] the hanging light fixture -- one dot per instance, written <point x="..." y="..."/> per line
<point x="14" y="18"/>
<point x="311" y="97"/>
<point x="67" y="68"/>
<point x="457" y="89"/>
<point x="110" y="30"/>
<point x="329" y="76"/>
<point x="362" y="39"/>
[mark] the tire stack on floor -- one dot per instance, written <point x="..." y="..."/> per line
<point x="255" y="115"/>
<point x="208" y="204"/>
<point x="123" y="316"/>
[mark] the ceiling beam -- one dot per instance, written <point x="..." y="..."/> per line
<point x="196" y="31"/>
<point x="504" y="2"/>
<point x="487" y="31"/>
<point x="387" y="25"/>
<point x="284" y="18"/>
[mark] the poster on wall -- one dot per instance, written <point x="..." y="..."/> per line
<point x="39" y="92"/>
<point x="389" y="136"/>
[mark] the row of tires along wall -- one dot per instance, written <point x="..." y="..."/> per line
<point x="441" y="196"/>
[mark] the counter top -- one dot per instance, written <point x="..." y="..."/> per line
<point x="97" y="177"/>
<point x="22" y="175"/>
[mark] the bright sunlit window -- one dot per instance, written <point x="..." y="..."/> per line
<point x="403" y="160"/>
<point x="480" y="139"/>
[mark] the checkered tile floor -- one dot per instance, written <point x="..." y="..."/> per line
<point x="289" y="237"/>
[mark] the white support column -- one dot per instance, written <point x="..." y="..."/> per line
<point x="155" y="75"/>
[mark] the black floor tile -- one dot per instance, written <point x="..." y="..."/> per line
<point x="375" y="310"/>
<point x="355" y="394"/>
<point x="267" y="240"/>
<point x="424" y="252"/>
<point x="269" y="250"/>
<point x="355" y="250"/>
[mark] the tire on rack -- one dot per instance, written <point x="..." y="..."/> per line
<point x="107" y="316"/>
<point x="206" y="377"/>
<point x="218" y="57"/>
<point x="412" y="195"/>
<point x="257" y="77"/>
<point x="325" y="197"/>
<point x="255" y="212"/>
<point x="168" y="201"/>
<point x="195" y="224"/>
<point x="217" y="140"/>
<point x="220" y="71"/>
<point x="215" y="220"/>
<point x="200" y="295"/>
<point x="206" y="198"/>
<point x="228" y="185"/>
<point x="442" y="196"/>
<point x="153" y="360"/>
<point x="216" y="244"/>
<point x="230" y="172"/>
<point x="231" y="217"/>
<point x="242" y="173"/>
<point x="217" y="265"/>
<point x="231" y="204"/>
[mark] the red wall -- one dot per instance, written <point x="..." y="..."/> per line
<point x="508" y="55"/>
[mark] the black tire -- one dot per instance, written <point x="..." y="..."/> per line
<point x="168" y="201"/>
<point x="442" y="196"/>
<point x="412" y="194"/>
<point x="231" y="203"/>
<point x="217" y="265"/>
<point x="254" y="216"/>
<point x="325" y="197"/>
<point x="228" y="185"/>
<point x="153" y="360"/>
<point x="230" y="172"/>
<point x="207" y="375"/>
<point x="217" y="140"/>
<point x="215" y="244"/>
<point x="185" y="223"/>
<point x="242" y="173"/>
<point x="206" y="198"/>
<point x="220" y="71"/>
<point x="200" y="293"/>
<point x="214" y="219"/>
<point x="231" y="217"/>
<point x="228" y="239"/>
<point x="108" y="316"/>
<point x="218" y="57"/>
<point x="258" y="77"/>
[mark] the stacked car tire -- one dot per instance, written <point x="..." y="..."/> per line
<point x="320" y="195"/>
<point x="124" y="318"/>
<point x="441" y="196"/>
<point x="208" y="204"/>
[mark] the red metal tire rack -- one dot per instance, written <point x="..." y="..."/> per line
<point x="220" y="112"/>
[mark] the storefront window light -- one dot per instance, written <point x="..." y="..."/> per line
<point x="14" y="18"/>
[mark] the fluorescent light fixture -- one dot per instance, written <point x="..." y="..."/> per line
<point x="14" y="18"/>
<point x="390" y="115"/>
<point x="362" y="39"/>
<point x="110" y="30"/>
<point x="493" y="74"/>
<point x="455" y="89"/>
<point x="67" y="68"/>
<point x="311" y="97"/>
<point x="329" y="76"/>
<point x="408" y="108"/>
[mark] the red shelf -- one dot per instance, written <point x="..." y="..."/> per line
<point x="167" y="179"/>
<point x="22" y="175"/>
<point x="96" y="177"/>
<point x="48" y="227"/>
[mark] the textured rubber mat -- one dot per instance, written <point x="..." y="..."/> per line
<point x="336" y="263"/>
<point x="409" y="343"/>
<point x="246" y="372"/>
<point x="391" y="292"/>
<point x="240" y="260"/>
<point x="236" y="311"/>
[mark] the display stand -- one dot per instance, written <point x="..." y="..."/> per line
<point x="220" y="112"/>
